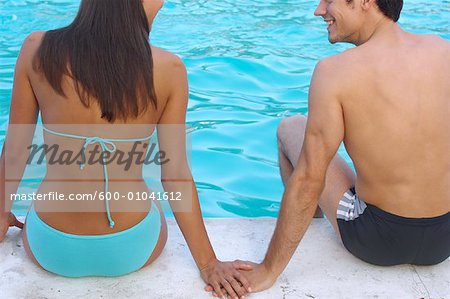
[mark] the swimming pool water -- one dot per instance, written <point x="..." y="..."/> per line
<point x="249" y="63"/>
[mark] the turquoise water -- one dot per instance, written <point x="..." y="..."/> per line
<point x="249" y="63"/>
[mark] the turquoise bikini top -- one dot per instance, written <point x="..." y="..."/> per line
<point x="106" y="145"/>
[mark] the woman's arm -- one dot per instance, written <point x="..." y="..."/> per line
<point x="22" y="120"/>
<point x="176" y="177"/>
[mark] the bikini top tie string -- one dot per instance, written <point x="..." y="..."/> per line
<point x="107" y="145"/>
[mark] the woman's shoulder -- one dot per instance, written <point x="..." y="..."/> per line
<point x="29" y="47"/>
<point x="166" y="61"/>
<point x="169" y="70"/>
<point x="34" y="39"/>
<point x="36" y="36"/>
<point x="32" y="42"/>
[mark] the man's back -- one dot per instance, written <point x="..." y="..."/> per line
<point x="395" y="97"/>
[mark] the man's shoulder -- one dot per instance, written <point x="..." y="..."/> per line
<point x="433" y="49"/>
<point x="437" y="43"/>
<point x="337" y="67"/>
<point x="431" y="41"/>
<point x="341" y="62"/>
<point x="432" y="38"/>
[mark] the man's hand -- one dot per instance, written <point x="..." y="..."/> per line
<point x="6" y="221"/>
<point x="259" y="277"/>
<point x="225" y="280"/>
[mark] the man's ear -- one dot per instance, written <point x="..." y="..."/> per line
<point x="367" y="4"/>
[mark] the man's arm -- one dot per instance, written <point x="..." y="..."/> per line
<point x="324" y="133"/>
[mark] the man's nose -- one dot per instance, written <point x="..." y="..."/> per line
<point x="321" y="9"/>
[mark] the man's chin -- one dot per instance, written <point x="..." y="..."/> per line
<point x="332" y="40"/>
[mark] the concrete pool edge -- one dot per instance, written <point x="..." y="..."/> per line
<point x="321" y="268"/>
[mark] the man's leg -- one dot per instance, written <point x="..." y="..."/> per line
<point x="339" y="178"/>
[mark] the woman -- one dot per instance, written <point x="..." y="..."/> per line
<point x="101" y="70"/>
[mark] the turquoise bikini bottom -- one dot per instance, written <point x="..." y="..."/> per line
<point x="93" y="255"/>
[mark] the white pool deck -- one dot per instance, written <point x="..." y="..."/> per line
<point x="321" y="268"/>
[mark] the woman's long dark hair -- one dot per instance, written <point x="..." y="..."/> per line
<point x="106" y="51"/>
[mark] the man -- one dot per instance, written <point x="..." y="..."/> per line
<point x="388" y="100"/>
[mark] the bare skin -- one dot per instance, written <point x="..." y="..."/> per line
<point x="33" y="94"/>
<point x="388" y="101"/>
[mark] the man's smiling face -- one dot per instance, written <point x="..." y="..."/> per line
<point x="344" y="19"/>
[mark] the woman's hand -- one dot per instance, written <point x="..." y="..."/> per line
<point x="257" y="275"/>
<point x="6" y="221"/>
<point x="225" y="279"/>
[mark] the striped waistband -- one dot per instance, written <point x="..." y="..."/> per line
<point x="350" y="206"/>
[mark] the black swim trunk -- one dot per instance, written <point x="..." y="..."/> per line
<point x="385" y="239"/>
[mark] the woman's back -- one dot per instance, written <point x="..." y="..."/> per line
<point x="70" y="115"/>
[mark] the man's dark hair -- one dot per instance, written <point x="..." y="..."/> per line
<point x="106" y="51"/>
<point x="390" y="8"/>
